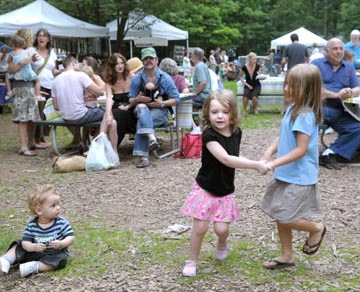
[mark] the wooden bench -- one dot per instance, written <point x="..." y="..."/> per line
<point x="55" y="124"/>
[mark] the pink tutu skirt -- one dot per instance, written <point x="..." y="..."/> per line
<point x="202" y="205"/>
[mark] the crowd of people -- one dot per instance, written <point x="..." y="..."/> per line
<point x="140" y="93"/>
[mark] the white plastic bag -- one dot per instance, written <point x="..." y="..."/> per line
<point x="101" y="155"/>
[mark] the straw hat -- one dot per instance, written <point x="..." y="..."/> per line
<point x="134" y="65"/>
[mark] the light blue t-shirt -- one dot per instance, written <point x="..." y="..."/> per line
<point x="303" y="171"/>
<point x="201" y="73"/>
<point x="356" y="50"/>
<point x="25" y="73"/>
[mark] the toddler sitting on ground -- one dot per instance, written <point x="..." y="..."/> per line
<point x="45" y="241"/>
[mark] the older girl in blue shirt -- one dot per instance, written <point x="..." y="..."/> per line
<point x="293" y="196"/>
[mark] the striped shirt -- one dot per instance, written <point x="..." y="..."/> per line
<point x="58" y="231"/>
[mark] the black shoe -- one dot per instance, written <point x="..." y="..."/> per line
<point x="154" y="145"/>
<point x="329" y="161"/>
<point x="341" y="159"/>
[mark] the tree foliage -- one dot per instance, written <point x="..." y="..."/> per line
<point x="233" y="24"/>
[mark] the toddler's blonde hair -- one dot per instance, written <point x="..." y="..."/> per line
<point x="88" y="70"/>
<point x="27" y="35"/>
<point x="38" y="196"/>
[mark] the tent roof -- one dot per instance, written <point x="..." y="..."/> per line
<point x="149" y="26"/>
<point x="40" y="14"/>
<point x="306" y="37"/>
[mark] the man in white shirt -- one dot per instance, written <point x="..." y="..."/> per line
<point x="68" y="97"/>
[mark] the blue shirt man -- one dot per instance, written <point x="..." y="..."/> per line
<point x="339" y="83"/>
<point x="151" y="111"/>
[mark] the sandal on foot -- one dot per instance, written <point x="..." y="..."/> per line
<point x="153" y="145"/>
<point x="190" y="269"/>
<point x="307" y="247"/>
<point x="38" y="146"/>
<point x="27" y="152"/>
<point x="278" y="265"/>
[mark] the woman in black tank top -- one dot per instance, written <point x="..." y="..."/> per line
<point x="117" y="87"/>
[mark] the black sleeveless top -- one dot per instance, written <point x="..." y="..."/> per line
<point x="120" y="99"/>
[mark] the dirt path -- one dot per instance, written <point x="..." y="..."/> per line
<point x="149" y="199"/>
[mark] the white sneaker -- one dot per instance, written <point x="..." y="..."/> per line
<point x="9" y="95"/>
<point x="28" y="268"/>
<point x="329" y="131"/>
<point x="5" y="265"/>
<point x="221" y="254"/>
<point x="190" y="269"/>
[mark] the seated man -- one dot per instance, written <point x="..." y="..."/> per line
<point x="151" y="112"/>
<point x="68" y="97"/>
<point x="339" y="82"/>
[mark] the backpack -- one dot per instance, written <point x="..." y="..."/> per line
<point x="190" y="147"/>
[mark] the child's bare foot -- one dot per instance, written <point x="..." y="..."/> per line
<point x="278" y="263"/>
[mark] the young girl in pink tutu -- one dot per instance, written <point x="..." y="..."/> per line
<point x="212" y="197"/>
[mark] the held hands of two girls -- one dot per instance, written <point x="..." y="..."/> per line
<point x="263" y="167"/>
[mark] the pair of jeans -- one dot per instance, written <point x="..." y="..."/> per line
<point x="148" y="119"/>
<point x="348" y="129"/>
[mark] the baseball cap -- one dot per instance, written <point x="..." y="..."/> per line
<point x="148" y="52"/>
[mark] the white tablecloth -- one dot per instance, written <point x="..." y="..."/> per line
<point x="270" y="86"/>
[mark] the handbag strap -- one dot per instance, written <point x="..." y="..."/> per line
<point x="44" y="64"/>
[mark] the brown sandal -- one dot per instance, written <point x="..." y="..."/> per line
<point x="27" y="152"/>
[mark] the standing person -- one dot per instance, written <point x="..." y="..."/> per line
<point x="187" y="66"/>
<point x="212" y="197"/>
<point x="224" y="57"/>
<point x="315" y="49"/>
<point x="151" y="112"/>
<point x="252" y="85"/>
<point x="46" y="238"/>
<point x="44" y="64"/>
<point x="117" y="87"/>
<point x="201" y="77"/>
<point x="294" y="53"/>
<point x="354" y="46"/>
<point x="339" y="82"/>
<point x="293" y="196"/>
<point x="217" y="57"/>
<point x="25" y="110"/>
<point x="212" y="62"/>
<point x="68" y="97"/>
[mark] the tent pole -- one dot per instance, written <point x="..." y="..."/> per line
<point x="109" y="44"/>
<point x="187" y="48"/>
<point x="131" y="49"/>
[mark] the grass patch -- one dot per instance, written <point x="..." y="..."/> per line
<point x="100" y="249"/>
<point x="269" y="116"/>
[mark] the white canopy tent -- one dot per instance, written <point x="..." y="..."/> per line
<point x="306" y="38"/>
<point x="148" y="27"/>
<point x="40" y="14"/>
